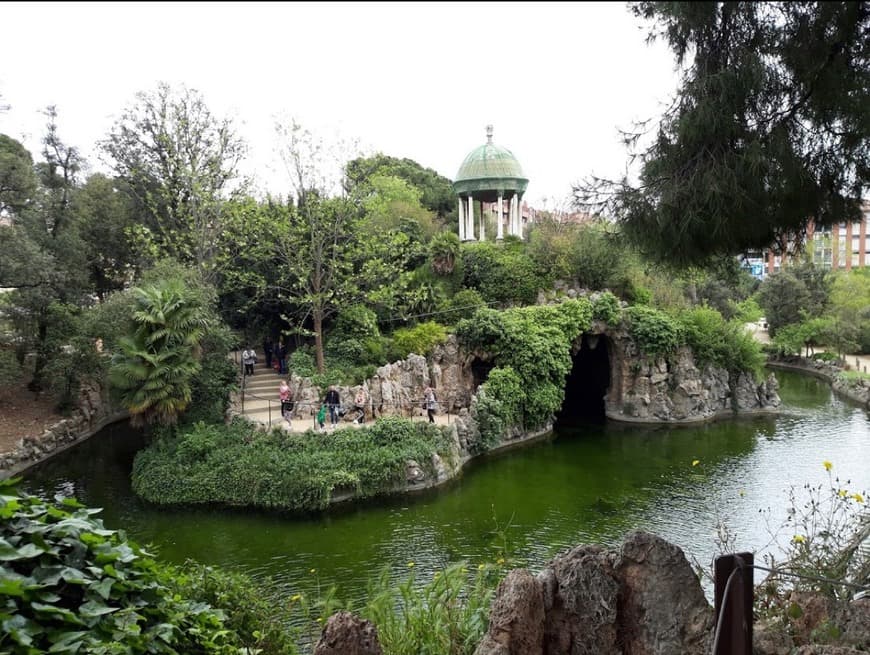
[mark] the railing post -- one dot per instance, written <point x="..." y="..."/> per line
<point x="733" y="604"/>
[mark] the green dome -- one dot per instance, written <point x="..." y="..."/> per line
<point x="490" y="168"/>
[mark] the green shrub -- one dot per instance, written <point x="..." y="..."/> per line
<point x="256" y="613"/>
<point x="825" y="357"/>
<point x="69" y="585"/>
<point x="606" y="308"/>
<point x="655" y="332"/>
<point x="301" y="362"/>
<point x="535" y="342"/>
<point x="238" y="464"/>
<point x="502" y="273"/>
<point x="420" y="339"/>
<point x="499" y="406"/>
<point x="448" y="615"/>
<point x="463" y="304"/>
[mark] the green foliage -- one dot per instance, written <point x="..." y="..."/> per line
<point x="605" y="307"/>
<point x="444" y="252"/>
<point x="747" y="311"/>
<point x="535" y="342"/>
<point x="447" y="615"/>
<point x="255" y="612"/>
<point x="177" y="160"/>
<point x="217" y="377"/>
<point x="498" y="408"/>
<point x="436" y="191"/>
<point x="355" y="322"/>
<point x="502" y="273"/>
<point x="240" y="465"/>
<point x="69" y="585"/>
<point x="655" y="332"/>
<point x="463" y="304"/>
<point x="156" y="365"/>
<point x="767" y="129"/>
<point x="420" y="339"/>
<point x="721" y="343"/>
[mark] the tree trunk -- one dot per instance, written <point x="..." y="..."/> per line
<point x="318" y="339"/>
<point x="36" y="384"/>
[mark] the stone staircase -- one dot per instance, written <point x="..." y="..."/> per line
<point x="260" y="402"/>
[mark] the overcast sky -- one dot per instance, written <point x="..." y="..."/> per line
<point x="417" y="80"/>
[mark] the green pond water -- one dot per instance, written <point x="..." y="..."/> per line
<point x="587" y="484"/>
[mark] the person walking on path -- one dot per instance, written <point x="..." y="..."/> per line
<point x="249" y="358"/>
<point x="429" y="402"/>
<point x="285" y="393"/>
<point x="359" y="404"/>
<point x="267" y="351"/>
<point x="281" y="354"/>
<point x="332" y="402"/>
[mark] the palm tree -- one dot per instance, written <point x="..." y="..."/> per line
<point x="157" y="363"/>
<point x="443" y="251"/>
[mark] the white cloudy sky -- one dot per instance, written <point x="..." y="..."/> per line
<point x="417" y="80"/>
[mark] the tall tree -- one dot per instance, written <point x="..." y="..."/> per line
<point x="180" y="162"/>
<point x="770" y="128"/>
<point x="106" y="218"/>
<point x="41" y="253"/>
<point x="17" y="177"/>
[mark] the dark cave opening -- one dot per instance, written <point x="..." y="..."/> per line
<point x="586" y="384"/>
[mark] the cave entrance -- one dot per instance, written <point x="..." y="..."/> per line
<point x="480" y="371"/>
<point x="587" y="383"/>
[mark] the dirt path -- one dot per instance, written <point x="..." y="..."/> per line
<point x="22" y="414"/>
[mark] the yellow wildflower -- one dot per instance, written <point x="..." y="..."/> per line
<point x="828" y="466"/>
<point x="410" y="565"/>
<point x="319" y="619"/>
<point x="295" y="597"/>
<point x="858" y="498"/>
<point x="695" y="462"/>
<point x="313" y="571"/>
<point x="480" y="567"/>
<point x="842" y="493"/>
<point x="798" y="539"/>
<point x="500" y="561"/>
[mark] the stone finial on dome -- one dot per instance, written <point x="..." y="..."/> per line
<point x="489" y="133"/>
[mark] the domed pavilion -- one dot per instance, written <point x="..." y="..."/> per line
<point x="490" y="174"/>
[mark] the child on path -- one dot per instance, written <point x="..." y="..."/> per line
<point x="359" y="404"/>
<point x="321" y="417"/>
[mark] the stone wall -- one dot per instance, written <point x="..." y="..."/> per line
<point x="94" y="411"/>
<point x="675" y="389"/>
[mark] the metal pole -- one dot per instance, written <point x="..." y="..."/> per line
<point x="733" y="590"/>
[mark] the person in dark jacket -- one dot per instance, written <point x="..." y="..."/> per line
<point x="332" y="402"/>
<point x="267" y="350"/>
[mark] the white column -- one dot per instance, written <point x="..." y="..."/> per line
<point x="519" y="217"/>
<point x="461" y="220"/>
<point x="512" y="221"/>
<point x="469" y="229"/>
<point x="499" y="234"/>
<point x="482" y="223"/>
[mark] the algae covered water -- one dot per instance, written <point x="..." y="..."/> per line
<point x="587" y="484"/>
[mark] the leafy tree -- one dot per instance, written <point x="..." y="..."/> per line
<point x="41" y="253"/>
<point x="767" y="130"/>
<point x="156" y="365"/>
<point x="784" y="299"/>
<point x="179" y="162"/>
<point x="444" y="251"/>
<point x="436" y="191"/>
<point x="105" y="215"/>
<point x="17" y="178"/>
<point x="850" y="307"/>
